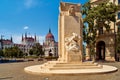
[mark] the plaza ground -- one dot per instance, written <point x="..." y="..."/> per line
<point x="15" y="71"/>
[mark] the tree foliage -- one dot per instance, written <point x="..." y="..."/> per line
<point x="118" y="43"/>
<point x="31" y="51"/>
<point x="12" y="52"/>
<point x="37" y="50"/>
<point x="95" y="17"/>
<point x="1" y="53"/>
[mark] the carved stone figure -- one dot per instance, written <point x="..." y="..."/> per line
<point x="72" y="11"/>
<point x="71" y="43"/>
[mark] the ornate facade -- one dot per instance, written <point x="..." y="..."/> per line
<point x="6" y="43"/>
<point x="50" y="46"/>
<point x="105" y="42"/>
<point x="27" y="43"/>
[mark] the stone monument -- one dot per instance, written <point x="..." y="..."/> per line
<point x="70" y="33"/>
<point x="70" y="47"/>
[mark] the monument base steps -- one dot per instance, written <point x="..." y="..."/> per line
<point x="52" y="65"/>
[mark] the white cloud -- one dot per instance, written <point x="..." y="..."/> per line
<point x="26" y="27"/>
<point x="30" y="3"/>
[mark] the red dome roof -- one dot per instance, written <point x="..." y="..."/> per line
<point x="49" y="35"/>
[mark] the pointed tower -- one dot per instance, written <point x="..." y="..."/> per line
<point x="11" y="39"/>
<point x="26" y="35"/>
<point x="22" y="37"/>
<point x="35" y="38"/>
<point x="49" y="30"/>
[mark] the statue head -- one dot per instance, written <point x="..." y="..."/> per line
<point x="72" y="11"/>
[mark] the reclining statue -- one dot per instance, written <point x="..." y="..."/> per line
<point x="71" y="43"/>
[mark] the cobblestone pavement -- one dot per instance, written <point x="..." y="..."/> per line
<point x="15" y="71"/>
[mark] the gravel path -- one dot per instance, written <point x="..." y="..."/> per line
<point x="15" y="71"/>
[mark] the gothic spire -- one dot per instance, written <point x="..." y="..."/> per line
<point x="35" y="37"/>
<point x="49" y="30"/>
<point x="11" y="39"/>
<point x="26" y="35"/>
<point x="22" y="37"/>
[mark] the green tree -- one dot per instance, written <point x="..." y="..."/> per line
<point x="96" y="17"/>
<point x="31" y="51"/>
<point x="13" y="52"/>
<point x="37" y="50"/>
<point x="1" y="53"/>
<point x="17" y="52"/>
<point x="118" y="46"/>
<point x="7" y="52"/>
<point x="118" y="43"/>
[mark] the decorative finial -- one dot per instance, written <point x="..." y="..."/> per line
<point x="26" y="35"/>
<point x="22" y="37"/>
<point x="49" y="30"/>
<point x="35" y="37"/>
<point x="11" y="39"/>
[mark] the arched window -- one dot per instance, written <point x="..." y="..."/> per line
<point x="100" y="30"/>
<point x="118" y="15"/>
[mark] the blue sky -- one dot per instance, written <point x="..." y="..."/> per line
<point x="31" y="16"/>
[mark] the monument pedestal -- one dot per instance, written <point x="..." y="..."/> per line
<point x="74" y="57"/>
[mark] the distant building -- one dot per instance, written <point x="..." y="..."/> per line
<point x="6" y="43"/>
<point x="27" y="43"/>
<point x="50" y="46"/>
<point x="22" y="47"/>
<point x="28" y="40"/>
